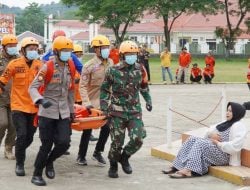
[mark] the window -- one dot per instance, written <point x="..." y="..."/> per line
<point x="211" y="44"/>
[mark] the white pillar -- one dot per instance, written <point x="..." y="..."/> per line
<point x="169" y="123"/>
<point x="223" y="104"/>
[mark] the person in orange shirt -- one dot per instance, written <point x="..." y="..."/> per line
<point x="248" y="74"/>
<point x="196" y="74"/>
<point x="22" y="71"/>
<point x="210" y="60"/>
<point x="114" y="54"/>
<point x="208" y="74"/>
<point x="184" y="61"/>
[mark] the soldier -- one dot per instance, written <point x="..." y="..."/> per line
<point x="22" y="71"/>
<point x="120" y="103"/>
<point x="90" y="83"/>
<point x="56" y="108"/>
<point x="9" y="52"/>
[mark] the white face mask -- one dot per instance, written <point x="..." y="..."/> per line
<point x="12" y="50"/>
<point x="130" y="59"/>
<point x="105" y="53"/>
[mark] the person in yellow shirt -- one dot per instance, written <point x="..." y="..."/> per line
<point x="165" y="65"/>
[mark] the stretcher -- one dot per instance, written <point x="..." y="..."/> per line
<point x="85" y="119"/>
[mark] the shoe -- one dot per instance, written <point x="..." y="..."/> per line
<point x="92" y="138"/>
<point x="20" y="170"/>
<point x="125" y="164"/>
<point x="38" y="180"/>
<point x="113" y="170"/>
<point x="49" y="171"/>
<point x="165" y="82"/>
<point x="8" y="153"/>
<point x="98" y="157"/>
<point x="170" y="171"/>
<point x="81" y="161"/>
<point x="66" y="153"/>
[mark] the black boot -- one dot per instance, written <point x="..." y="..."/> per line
<point x="113" y="170"/>
<point x="49" y="170"/>
<point x="37" y="178"/>
<point x="20" y="170"/>
<point x="125" y="164"/>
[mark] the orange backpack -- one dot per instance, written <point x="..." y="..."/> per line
<point x="48" y="77"/>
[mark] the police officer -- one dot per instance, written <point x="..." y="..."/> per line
<point x="9" y="52"/>
<point x="91" y="80"/>
<point x="56" y="109"/>
<point x="22" y="71"/>
<point x="122" y="105"/>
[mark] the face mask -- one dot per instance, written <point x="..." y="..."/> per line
<point x="31" y="55"/>
<point x="12" y="50"/>
<point x="65" y="55"/>
<point x="105" y="53"/>
<point x="130" y="59"/>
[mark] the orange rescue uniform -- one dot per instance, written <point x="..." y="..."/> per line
<point x="78" y="98"/>
<point x="184" y="59"/>
<point x="114" y="55"/>
<point x="22" y="75"/>
<point x="209" y="60"/>
<point x="195" y="72"/>
<point x="248" y="71"/>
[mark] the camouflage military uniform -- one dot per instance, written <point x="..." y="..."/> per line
<point x="5" y="114"/>
<point x="120" y="99"/>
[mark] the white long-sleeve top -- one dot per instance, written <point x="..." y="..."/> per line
<point x="233" y="147"/>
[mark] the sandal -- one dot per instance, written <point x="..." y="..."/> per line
<point x="179" y="175"/>
<point x="169" y="171"/>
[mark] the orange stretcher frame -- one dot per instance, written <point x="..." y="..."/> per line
<point x="84" y="120"/>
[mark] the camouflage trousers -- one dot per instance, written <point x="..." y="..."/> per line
<point x="118" y="128"/>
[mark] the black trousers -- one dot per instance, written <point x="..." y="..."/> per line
<point x="25" y="131"/>
<point x="146" y="65"/>
<point x="196" y="79"/>
<point x="84" y="143"/>
<point x="52" y="132"/>
<point x="208" y="79"/>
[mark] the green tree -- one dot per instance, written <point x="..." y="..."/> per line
<point x="116" y="15"/>
<point x="171" y="10"/>
<point x="235" y="12"/>
<point x="31" y="19"/>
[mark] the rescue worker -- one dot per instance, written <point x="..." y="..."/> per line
<point x="196" y="74"/>
<point x="210" y="60"/>
<point x="90" y="83"/>
<point x="120" y="102"/>
<point x="208" y="74"/>
<point x="9" y="52"/>
<point x="56" y="109"/>
<point x="184" y="61"/>
<point x="49" y="54"/>
<point x="247" y="104"/>
<point x="114" y="54"/>
<point x="78" y="51"/>
<point x="22" y="71"/>
<point x="144" y="58"/>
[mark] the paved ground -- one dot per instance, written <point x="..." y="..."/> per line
<point x="196" y="101"/>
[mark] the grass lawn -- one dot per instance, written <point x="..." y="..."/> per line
<point x="225" y="71"/>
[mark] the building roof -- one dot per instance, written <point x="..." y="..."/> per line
<point x="80" y="36"/>
<point x="30" y="34"/>
<point x="72" y="24"/>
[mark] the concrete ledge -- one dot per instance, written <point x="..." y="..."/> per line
<point x="237" y="175"/>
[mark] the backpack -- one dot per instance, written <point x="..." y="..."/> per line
<point x="48" y="77"/>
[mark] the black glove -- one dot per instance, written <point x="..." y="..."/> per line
<point x="72" y="117"/>
<point x="149" y="107"/>
<point x="89" y="108"/>
<point x="246" y="105"/>
<point x="77" y="81"/>
<point x="45" y="103"/>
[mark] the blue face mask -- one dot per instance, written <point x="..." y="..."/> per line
<point x="12" y="50"/>
<point x="130" y="59"/>
<point x="65" y="55"/>
<point x="31" y="55"/>
<point x="105" y="53"/>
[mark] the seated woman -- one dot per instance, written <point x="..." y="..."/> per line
<point x="220" y="147"/>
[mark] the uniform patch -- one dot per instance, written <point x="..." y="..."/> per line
<point x="40" y="78"/>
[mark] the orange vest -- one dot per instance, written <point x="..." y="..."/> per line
<point x="77" y="92"/>
<point x="22" y="76"/>
<point x="210" y="61"/>
<point x="196" y="72"/>
<point x="248" y="72"/>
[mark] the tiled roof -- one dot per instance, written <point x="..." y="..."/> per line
<point x="30" y="34"/>
<point x="80" y="36"/>
<point x="72" y="24"/>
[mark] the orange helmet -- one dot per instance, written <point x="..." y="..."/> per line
<point x="61" y="42"/>
<point x="100" y="40"/>
<point x="29" y="41"/>
<point x="9" y="39"/>
<point x="77" y="48"/>
<point x="58" y="33"/>
<point x="128" y="47"/>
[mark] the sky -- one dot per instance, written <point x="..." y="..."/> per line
<point x="24" y="3"/>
